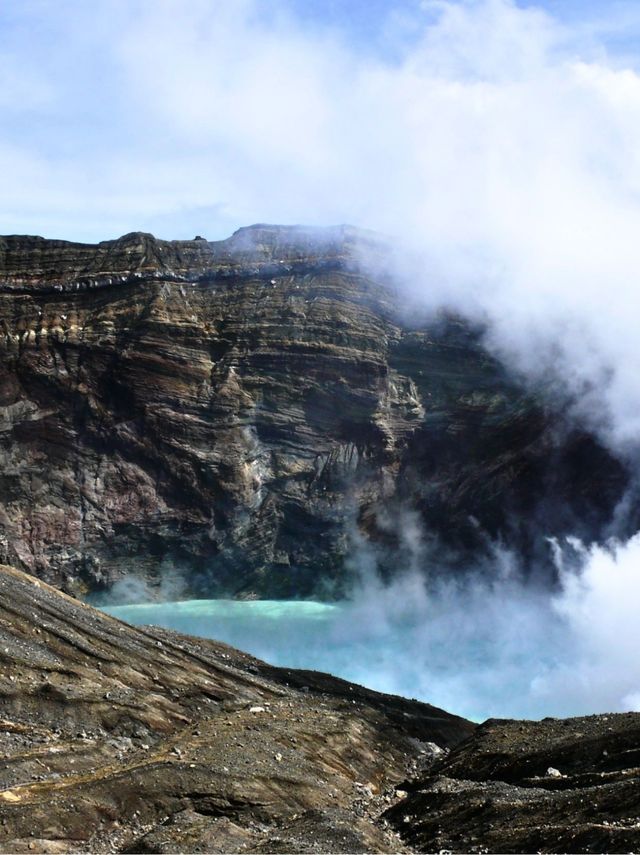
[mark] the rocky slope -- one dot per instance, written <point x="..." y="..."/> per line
<point x="238" y="413"/>
<point x="123" y="739"/>
<point x="114" y="738"/>
<point x="559" y="785"/>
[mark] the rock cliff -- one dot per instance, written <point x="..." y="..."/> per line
<point x="239" y="412"/>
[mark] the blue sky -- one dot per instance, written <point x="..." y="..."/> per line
<point x="183" y="118"/>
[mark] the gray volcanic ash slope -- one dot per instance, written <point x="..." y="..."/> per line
<point x="143" y="740"/>
<point x="238" y="413"/>
<point x="123" y="739"/>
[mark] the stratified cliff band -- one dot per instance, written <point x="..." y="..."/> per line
<point x="240" y="410"/>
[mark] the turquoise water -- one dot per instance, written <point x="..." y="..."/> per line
<point x="476" y="647"/>
<point x="266" y="628"/>
<point x="410" y="647"/>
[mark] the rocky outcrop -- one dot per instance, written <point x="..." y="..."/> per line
<point x="238" y="413"/>
<point x="123" y="739"/>
<point x="558" y="785"/>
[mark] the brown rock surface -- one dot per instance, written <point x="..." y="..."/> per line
<point x="237" y="410"/>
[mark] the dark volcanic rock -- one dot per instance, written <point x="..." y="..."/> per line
<point x="115" y="738"/>
<point x="238" y="409"/>
<point x="569" y="785"/>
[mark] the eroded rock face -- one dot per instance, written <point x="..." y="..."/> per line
<point x="239" y="410"/>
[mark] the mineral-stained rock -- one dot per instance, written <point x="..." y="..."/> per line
<point x="237" y="410"/>
<point x="115" y="738"/>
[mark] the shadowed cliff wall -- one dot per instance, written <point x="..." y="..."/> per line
<point x="237" y="410"/>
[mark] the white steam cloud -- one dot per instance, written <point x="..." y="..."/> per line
<point x="490" y="644"/>
<point x="498" y="143"/>
<point x="480" y="646"/>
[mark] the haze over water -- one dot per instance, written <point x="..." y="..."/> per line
<point x="322" y="637"/>
<point x="476" y="648"/>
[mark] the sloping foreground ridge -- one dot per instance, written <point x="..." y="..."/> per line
<point x="236" y="410"/>
<point x="117" y="738"/>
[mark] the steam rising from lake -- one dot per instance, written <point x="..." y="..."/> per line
<point x="477" y="648"/>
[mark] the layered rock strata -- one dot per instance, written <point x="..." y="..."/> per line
<point x="236" y="415"/>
